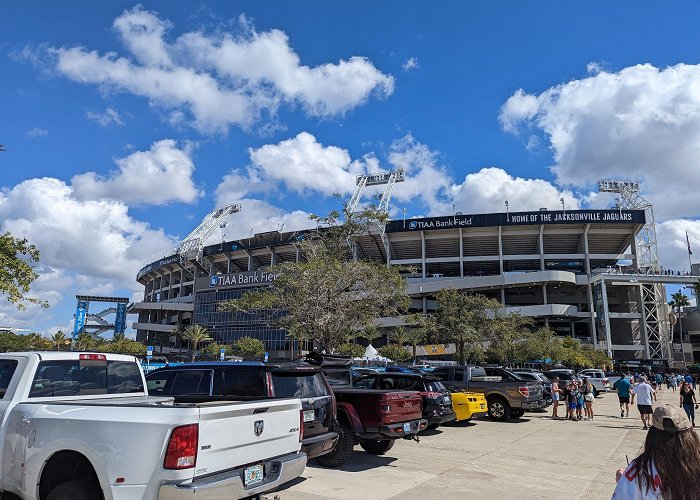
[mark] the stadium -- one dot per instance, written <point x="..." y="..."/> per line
<point x="562" y="268"/>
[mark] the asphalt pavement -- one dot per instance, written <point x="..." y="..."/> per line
<point x="531" y="457"/>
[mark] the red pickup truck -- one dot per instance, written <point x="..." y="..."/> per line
<point x="372" y="418"/>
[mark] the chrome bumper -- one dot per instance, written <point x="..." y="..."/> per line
<point x="229" y="485"/>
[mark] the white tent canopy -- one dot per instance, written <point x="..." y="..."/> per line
<point x="371" y="354"/>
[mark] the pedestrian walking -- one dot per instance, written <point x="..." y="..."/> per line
<point x="689" y="402"/>
<point x="623" y="386"/>
<point x="556" y="394"/>
<point x="669" y="466"/>
<point x="659" y="381"/>
<point x="588" y="398"/>
<point x="644" y="393"/>
<point x="674" y="382"/>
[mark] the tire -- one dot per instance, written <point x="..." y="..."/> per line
<point x="73" y="490"/>
<point x="517" y="413"/>
<point x="343" y="448"/>
<point x="377" y="446"/>
<point x="499" y="409"/>
<point x="432" y="427"/>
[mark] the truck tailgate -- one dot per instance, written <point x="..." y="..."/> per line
<point x="405" y="406"/>
<point x="232" y="435"/>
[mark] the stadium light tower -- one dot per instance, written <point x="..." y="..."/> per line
<point x="653" y="295"/>
<point x="191" y="248"/>
<point x="386" y="178"/>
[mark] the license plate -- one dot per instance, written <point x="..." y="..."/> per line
<point x="253" y="474"/>
<point x="407" y="427"/>
<point x="446" y="399"/>
<point x="309" y="415"/>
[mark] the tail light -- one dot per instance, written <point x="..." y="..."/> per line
<point x="524" y="390"/>
<point x="301" y="425"/>
<point x="433" y="397"/>
<point x="182" y="447"/>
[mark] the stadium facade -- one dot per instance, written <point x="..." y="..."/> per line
<point x="559" y="267"/>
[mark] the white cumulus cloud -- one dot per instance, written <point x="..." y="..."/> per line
<point x="410" y="64"/>
<point x="158" y="176"/>
<point x="641" y="123"/>
<point x="221" y="79"/>
<point x="37" y="132"/>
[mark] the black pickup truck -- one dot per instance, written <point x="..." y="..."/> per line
<point x="505" y="399"/>
<point x="212" y="381"/>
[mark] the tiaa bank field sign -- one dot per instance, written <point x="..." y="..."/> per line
<point x="236" y="280"/>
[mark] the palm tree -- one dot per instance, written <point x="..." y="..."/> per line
<point x="118" y="337"/>
<point x="696" y="290"/>
<point x="179" y="332"/>
<point x="59" y="340"/>
<point x="84" y="342"/>
<point x="196" y="334"/>
<point x="370" y="333"/>
<point x="415" y="337"/>
<point x="679" y="300"/>
<point x="399" y="335"/>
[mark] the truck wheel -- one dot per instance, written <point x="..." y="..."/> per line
<point x="343" y="448"/>
<point x="499" y="409"/>
<point x="73" y="490"/>
<point x="517" y="413"/>
<point x="377" y="446"/>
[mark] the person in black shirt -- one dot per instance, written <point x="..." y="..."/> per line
<point x="688" y="401"/>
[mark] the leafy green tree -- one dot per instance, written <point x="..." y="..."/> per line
<point x="195" y="335"/>
<point x="679" y="300"/>
<point x="37" y="342"/>
<point x="248" y="347"/>
<point x="84" y="342"/>
<point x="179" y="331"/>
<point x="463" y="319"/>
<point x="213" y="350"/>
<point x="395" y="353"/>
<point x="352" y="350"/>
<point x="327" y="297"/>
<point x="541" y="344"/>
<point x="59" y="341"/>
<point x="10" y="342"/>
<point x="416" y="335"/>
<point x="696" y="288"/>
<point x="17" y="261"/>
<point x="118" y="337"/>
<point x="124" y="346"/>
<point x="506" y="334"/>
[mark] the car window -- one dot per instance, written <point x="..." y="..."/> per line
<point x="338" y="376"/>
<point x="7" y="369"/>
<point x="365" y="383"/>
<point x="81" y="377"/>
<point x="192" y="383"/>
<point x="160" y="383"/>
<point x="243" y="382"/>
<point x="411" y="384"/>
<point x="527" y="376"/>
<point x="295" y="385"/>
<point x="442" y="373"/>
<point x="388" y="383"/>
<point x="477" y="371"/>
<point x="459" y="374"/>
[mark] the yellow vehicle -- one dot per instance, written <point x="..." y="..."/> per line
<point x="468" y="405"/>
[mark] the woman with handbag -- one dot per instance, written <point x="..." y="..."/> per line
<point x="688" y="401"/>
<point x="588" y="397"/>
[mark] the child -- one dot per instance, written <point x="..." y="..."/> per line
<point x="571" y="400"/>
<point x="579" y="402"/>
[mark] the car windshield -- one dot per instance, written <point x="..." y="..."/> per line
<point x="296" y="385"/>
<point x="435" y="386"/>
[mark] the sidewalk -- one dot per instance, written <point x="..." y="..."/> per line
<point x="532" y="457"/>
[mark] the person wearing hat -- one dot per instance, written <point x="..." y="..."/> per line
<point x="669" y="466"/>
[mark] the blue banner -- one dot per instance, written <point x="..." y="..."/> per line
<point x="120" y="321"/>
<point x="80" y="315"/>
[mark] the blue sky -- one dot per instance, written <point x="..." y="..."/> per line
<point x="125" y="124"/>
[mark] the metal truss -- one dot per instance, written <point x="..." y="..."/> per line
<point x="191" y="248"/>
<point x="657" y="326"/>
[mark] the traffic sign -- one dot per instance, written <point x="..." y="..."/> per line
<point x="267" y="356"/>
<point x="149" y="352"/>
<point x="222" y="353"/>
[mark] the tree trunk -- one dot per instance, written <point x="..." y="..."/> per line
<point x="415" y="349"/>
<point x="680" y="326"/>
<point x="193" y="346"/>
<point x="460" y="347"/>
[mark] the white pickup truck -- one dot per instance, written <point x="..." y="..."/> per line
<point x="80" y="426"/>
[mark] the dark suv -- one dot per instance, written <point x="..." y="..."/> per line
<point x="437" y="401"/>
<point x="200" y="382"/>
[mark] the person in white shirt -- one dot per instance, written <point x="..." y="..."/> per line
<point x="644" y="393"/>
<point x="669" y="466"/>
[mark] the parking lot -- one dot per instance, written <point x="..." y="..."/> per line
<point x="531" y="457"/>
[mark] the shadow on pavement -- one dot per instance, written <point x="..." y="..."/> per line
<point x="463" y="423"/>
<point x="289" y="484"/>
<point x="359" y="461"/>
<point x="430" y="432"/>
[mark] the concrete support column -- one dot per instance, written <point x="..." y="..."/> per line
<point x="540" y="244"/>
<point x="500" y="249"/>
<point x="608" y="340"/>
<point x="422" y="255"/>
<point x="585" y="249"/>
<point x="591" y="316"/>
<point x="544" y="294"/>
<point x="273" y="256"/>
<point x="503" y="296"/>
<point x="250" y="261"/>
<point x="461" y="253"/>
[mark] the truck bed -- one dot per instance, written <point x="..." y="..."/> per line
<point x="403" y="406"/>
